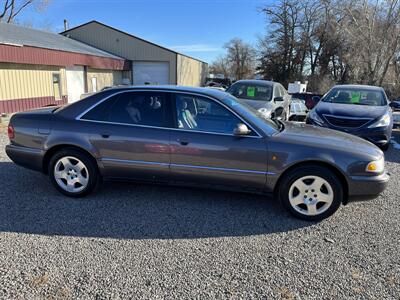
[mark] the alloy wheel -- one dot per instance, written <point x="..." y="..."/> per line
<point x="311" y="195"/>
<point x="71" y="174"/>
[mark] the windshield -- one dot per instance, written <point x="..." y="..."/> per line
<point x="249" y="112"/>
<point x="356" y="96"/>
<point x="251" y="91"/>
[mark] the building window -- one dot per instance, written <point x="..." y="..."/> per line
<point x="57" y="86"/>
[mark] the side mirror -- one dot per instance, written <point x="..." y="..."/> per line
<point x="278" y="99"/>
<point x="316" y="99"/>
<point x="241" y="129"/>
<point x="277" y="113"/>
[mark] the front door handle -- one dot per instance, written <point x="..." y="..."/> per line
<point x="105" y="135"/>
<point x="182" y="142"/>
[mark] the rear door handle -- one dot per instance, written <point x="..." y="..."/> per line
<point x="182" y="142"/>
<point x="105" y="135"/>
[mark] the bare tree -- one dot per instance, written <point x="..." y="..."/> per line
<point x="345" y="41"/>
<point x="281" y="44"/>
<point x="372" y="35"/>
<point x="241" y="58"/>
<point x="10" y="9"/>
<point x="221" y="66"/>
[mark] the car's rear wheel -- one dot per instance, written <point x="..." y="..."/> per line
<point x="311" y="193"/>
<point x="73" y="172"/>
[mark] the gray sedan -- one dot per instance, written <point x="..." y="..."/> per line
<point x="195" y="137"/>
<point x="269" y="98"/>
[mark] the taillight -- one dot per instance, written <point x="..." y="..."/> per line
<point x="10" y="132"/>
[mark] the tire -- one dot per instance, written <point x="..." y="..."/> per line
<point x="385" y="147"/>
<point x="318" y="205"/>
<point x="82" y="176"/>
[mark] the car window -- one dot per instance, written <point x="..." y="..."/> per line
<point x="251" y="91"/>
<point x="278" y="91"/>
<point x="135" y="108"/>
<point x="356" y="96"/>
<point x="282" y="91"/>
<point x="203" y="114"/>
<point x="302" y="97"/>
<point x="100" y="112"/>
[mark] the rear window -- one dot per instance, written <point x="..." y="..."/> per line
<point x="299" y="96"/>
<point x="251" y="91"/>
<point x="140" y="108"/>
<point x="356" y="97"/>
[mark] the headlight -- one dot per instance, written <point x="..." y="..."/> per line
<point x="377" y="166"/>
<point x="382" y="122"/>
<point x="315" y="117"/>
<point x="265" y="112"/>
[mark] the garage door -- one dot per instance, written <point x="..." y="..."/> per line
<point x="75" y="83"/>
<point x="150" y="73"/>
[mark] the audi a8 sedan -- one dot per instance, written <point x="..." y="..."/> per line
<point x="356" y="109"/>
<point x="195" y="137"/>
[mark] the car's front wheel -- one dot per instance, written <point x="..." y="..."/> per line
<point x="311" y="193"/>
<point x="73" y="172"/>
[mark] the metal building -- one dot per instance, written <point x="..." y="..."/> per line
<point x="39" y="68"/>
<point x="150" y="63"/>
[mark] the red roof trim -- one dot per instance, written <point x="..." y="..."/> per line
<point x="40" y="56"/>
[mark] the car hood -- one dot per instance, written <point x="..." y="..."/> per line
<point x="351" y="110"/>
<point x="257" y="104"/>
<point x="320" y="138"/>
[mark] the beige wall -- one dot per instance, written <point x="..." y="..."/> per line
<point x="104" y="78"/>
<point x="124" y="45"/>
<point x="191" y="72"/>
<point x="18" y="81"/>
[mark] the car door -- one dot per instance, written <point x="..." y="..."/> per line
<point x="204" y="149"/>
<point x="131" y="134"/>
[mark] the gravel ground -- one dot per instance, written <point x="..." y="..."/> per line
<point x="134" y="241"/>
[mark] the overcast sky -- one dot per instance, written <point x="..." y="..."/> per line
<point x="198" y="28"/>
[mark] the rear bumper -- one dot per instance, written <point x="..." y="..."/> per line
<point x="26" y="157"/>
<point x="367" y="187"/>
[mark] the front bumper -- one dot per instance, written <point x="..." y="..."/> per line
<point x="30" y="158"/>
<point x="367" y="187"/>
<point x="379" y="136"/>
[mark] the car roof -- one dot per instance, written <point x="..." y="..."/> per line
<point x="358" y="86"/>
<point x="257" y="81"/>
<point x="174" y="88"/>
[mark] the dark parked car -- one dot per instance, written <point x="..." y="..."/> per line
<point x="396" y="119"/>
<point x="195" y="137"/>
<point x="309" y="99"/>
<point x="357" y="109"/>
<point x="395" y="105"/>
<point x="268" y="97"/>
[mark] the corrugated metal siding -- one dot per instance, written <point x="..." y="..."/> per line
<point x="104" y="78"/>
<point x="13" y="34"/>
<point x="191" y="72"/>
<point x="41" y="56"/>
<point x="20" y="81"/>
<point x="121" y="44"/>
<point x="16" y="105"/>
